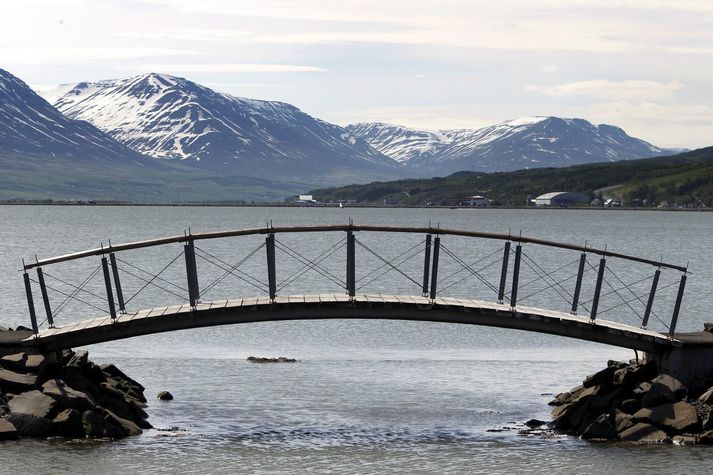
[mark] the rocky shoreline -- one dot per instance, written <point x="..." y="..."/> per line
<point x="633" y="402"/>
<point x="64" y="394"/>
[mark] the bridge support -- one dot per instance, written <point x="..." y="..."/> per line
<point x="650" y="302"/>
<point x="30" y="302"/>
<point x="426" y="264"/>
<point x="677" y="306"/>
<point x="271" y="276"/>
<point x="117" y="283"/>
<point x="45" y="297"/>
<point x="351" y="264"/>
<point x="109" y="291"/>
<point x="191" y="272"/>
<point x="434" y="271"/>
<point x="504" y="272"/>
<point x="578" y="285"/>
<point x="515" y="276"/>
<point x="598" y="288"/>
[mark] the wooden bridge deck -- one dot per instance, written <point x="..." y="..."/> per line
<point x="338" y="306"/>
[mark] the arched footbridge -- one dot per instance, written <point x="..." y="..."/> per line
<point x="353" y="271"/>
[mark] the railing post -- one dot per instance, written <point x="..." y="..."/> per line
<point x="271" y="277"/>
<point x="45" y="297"/>
<point x="650" y="302"/>
<point x="515" y="276"/>
<point x="504" y="272"/>
<point x="30" y="302"/>
<point x="578" y="285"/>
<point x="117" y="282"/>
<point x="598" y="288"/>
<point x="677" y="307"/>
<point x="191" y="272"/>
<point x="351" y="264"/>
<point x="426" y="264"/>
<point x="109" y="291"/>
<point x="434" y="271"/>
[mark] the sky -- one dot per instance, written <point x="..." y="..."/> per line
<point x="643" y="65"/>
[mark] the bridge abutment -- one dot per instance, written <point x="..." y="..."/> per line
<point x="689" y="362"/>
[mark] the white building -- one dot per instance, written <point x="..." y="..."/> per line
<point x="561" y="198"/>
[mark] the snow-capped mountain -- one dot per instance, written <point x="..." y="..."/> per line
<point x="30" y="126"/>
<point x="527" y="142"/>
<point x="172" y="118"/>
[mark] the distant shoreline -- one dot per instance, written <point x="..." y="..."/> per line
<point x="360" y="206"/>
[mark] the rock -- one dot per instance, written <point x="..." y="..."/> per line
<point x="630" y="406"/>
<point x="664" y="389"/>
<point x="685" y="440"/>
<point x="35" y="363"/>
<point x="707" y="397"/>
<point x="708" y="327"/>
<point x="632" y="375"/>
<point x="281" y="359"/>
<point x="644" y="433"/>
<point x="79" y="359"/>
<point x="66" y="396"/>
<point x="601" y="378"/>
<point x="706" y="438"/>
<point x="93" y="423"/>
<point x="602" y="401"/>
<point x="128" y="427"/>
<point x="112" y="371"/>
<point x="33" y="402"/>
<point x="622" y="421"/>
<point x="534" y="423"/>
<point x="678" y="417"/>
<point x="165" y="396"/>
<point x="17" y="382"/>
<point x="15" y="361"/>
<point x="707" y="423"/>
<point x="8" y="430"/>
<point x="28" y="425"/>
<point x="68" y="423"/>
<point x="601" y="428"/>
<point x="560" y="399"/>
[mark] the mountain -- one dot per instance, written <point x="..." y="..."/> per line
<point x="169" y="117"/>
<point x="528" y="142"/>
<point x="31" y="127"/>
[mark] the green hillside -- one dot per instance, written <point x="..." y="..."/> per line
<point x="679" y="180"/>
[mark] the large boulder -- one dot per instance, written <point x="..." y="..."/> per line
<point x="127" y="426"/>
<point x="601" y="428"/>
<point x="7" y="430"/>
<point x="664" y="389"/>
<point x="66" y="396"/>
<point x="14" y="361"/>
<point x="68" y="423"/>
<point x="677" y="417"/>
<point x="17" y="382"/>
<point x="707" y="397"/>
<point x="28" y="425"/>
<point x="644" y="433"/>
<point x="33" y="402"/>
<point x="93" y="423"/>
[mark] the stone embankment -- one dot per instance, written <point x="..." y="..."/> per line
<point x="281" y="359"/>
<point x="64" y="394"/>
<point x="632" y="402"/>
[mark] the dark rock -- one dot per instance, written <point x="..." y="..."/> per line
<point x="601" y="428"/>
<point x="664" y="389"/>
<point x="66" y="396"/>
<point x="560" y="399"/>
<point x="28" y="425"/>
<point x="68" y="423"/>
<point x="632" y="375"/>
<point x="642" y="389"/>
<point x="708" y="326"/>
<point x="15" y="361"/>
<point x="76" y="380"/>
<point x="79" y="359"/>
<point x="127" y="426"/>
<point x="602" y="401"/>
<point x="603" y="378"/>
<point x="677" y="417"/>
<point x="17" y="382"/>
<point x="8" y="430"/>
<point x="165" y="396"/>
<point x="112" y="371"/>
<point x="622" y="421"/>
<point x="706" y="438"/>
<point x="707" y="423"/>
<point x="281" y="359"/>
<point x="535" y="423"/>
<point x="32" y="402"/>
<point x="630" y="406"/>
<point x="644" y="433"/>
<point x="93" y="423"/>
<point x="22" y="328"/>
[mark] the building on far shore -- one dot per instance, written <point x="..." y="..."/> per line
<point x="561" y="198"/>
<point x="476" y="200"/>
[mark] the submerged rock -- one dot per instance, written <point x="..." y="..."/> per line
<point x="165" y="396"/>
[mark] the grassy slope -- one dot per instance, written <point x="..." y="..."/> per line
<point x="684" y="178"/>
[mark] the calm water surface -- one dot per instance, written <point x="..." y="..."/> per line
<point x="370" y="396"/>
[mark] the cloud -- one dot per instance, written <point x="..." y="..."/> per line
<point x="611" y="90"/>
<point x="228" y="68"/>
<point x="549" y="68"/>
<point x="41" y="56"/>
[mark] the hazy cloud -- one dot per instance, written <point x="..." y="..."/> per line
<point x="611" y="90"/>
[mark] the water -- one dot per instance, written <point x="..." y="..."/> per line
<point x="370" y="396"/>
